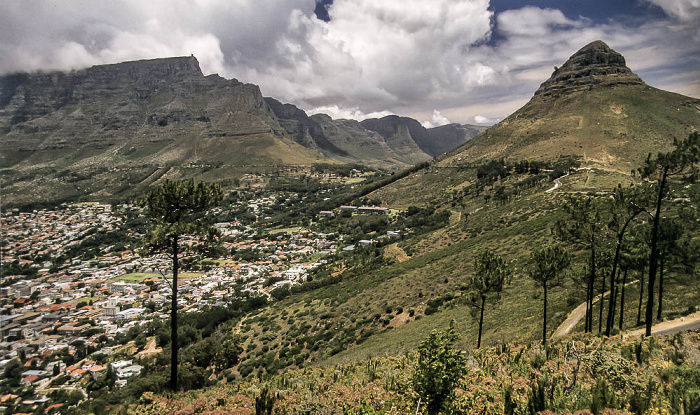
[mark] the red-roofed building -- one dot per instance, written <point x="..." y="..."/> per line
<point x="30" y="379"/>
<point x="52" y="408"/>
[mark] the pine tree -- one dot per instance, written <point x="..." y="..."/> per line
<point x="547" y="269"/>
<point x="175" y="209"/>
<point x="491" y="273"/>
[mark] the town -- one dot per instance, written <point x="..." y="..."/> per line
<point x="75" y="283"/>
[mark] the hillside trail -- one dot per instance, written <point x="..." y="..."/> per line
<point x="557" y="184"/>
<point x="689" y="322"/>
<point x="239" y="326"/>
<point x="577" y="314"/>
<point x="150" y="348"/>
<point x="395" y="252"/>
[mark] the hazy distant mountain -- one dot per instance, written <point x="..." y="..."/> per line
<point x="390" y="141"/>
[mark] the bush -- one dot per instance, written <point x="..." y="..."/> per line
<point x="439" y="368"/>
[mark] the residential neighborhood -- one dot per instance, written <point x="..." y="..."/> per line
<point x="57" y="316"/>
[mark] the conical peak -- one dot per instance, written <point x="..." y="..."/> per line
<point x="594" y="65"/>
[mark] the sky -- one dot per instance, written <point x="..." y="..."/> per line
<point x="438" y="61"/>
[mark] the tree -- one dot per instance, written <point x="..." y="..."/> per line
<point x="547" y="270"/>
<point x="583" y="227"/>
<point x="633" y="257"/>
<point x="491" y="272"/>
<point x="670" y="232"/>
<point x="659" y="170"/>
<point x="626" y="205"/>
<point x="13" y="372"/>
<point x="177" y="208"/>
<point x="439" y="368"/>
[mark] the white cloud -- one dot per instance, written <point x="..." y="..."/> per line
<point x="354" y="113"/>
<point x="481" y="120"/>
<point x="372" y="57"/>
<point x="684" y="10"/>
<point x="436" y="120"/>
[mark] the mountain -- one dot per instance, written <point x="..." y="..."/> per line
<point x="594" y="108"/>
<point x="390" y="141"/>
<point x="117" y="129"/>
<point x="151" y="111"/>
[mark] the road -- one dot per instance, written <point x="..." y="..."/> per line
<point x="557" y="184"/>
<point x="689" y="322"/>
<point x="577" y="314"/>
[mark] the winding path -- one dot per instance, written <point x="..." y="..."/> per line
<point x="577" y="314"/>
<point x="689" y="322"/>
<point x="557" y="184"/>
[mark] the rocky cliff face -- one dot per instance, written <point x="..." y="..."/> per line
<point x="153" y="101"/>
<point x="594" y="65"/>
<point x="115" y="129"/>
<point x="390" y="141"/>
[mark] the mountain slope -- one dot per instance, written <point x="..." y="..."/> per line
<point x="593" y="108"/>
<point x="116" y="129"/>
<point x="390" y="141"/>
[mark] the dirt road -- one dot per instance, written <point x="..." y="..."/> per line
<point x="689" y="322"/>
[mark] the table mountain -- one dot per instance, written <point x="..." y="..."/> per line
<point x="111" y="129"/>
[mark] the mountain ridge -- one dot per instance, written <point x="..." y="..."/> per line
<point x="161" y="114"/>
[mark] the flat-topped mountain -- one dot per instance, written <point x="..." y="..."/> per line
<point x="593" y="108"/>
<point x="150" y="118"/>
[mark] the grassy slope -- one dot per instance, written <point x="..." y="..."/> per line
<point x="660" y="377"/>
<point x="615" y="127"/>
<point x="368" y="313"/>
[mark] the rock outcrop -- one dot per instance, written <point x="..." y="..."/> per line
<point x="594" y="65"/>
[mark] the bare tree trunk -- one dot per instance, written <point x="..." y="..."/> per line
<point x="661" y="285"/>
<point x="173" y="321"/>
<point x="481" y="320"/>
<point x="591" y="291"/>
<point x="613" y="305"/>
<point x="613" y="280"/>
<point x="654" y="255"/>
<point x="622" y="299"/>
<point x="544" y="323"/>
<point x="602" y="302"/>
<point x="641" y="296"/>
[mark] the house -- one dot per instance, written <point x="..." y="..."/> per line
<point x="365" y="242"/>
<point x="30" y="379"/>
<point x="128" y="371"/>
<point x="326" y="214"/>
<point x="78" y="373"/>
<point x="129" y="313"/>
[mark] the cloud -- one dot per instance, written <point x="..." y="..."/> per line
<point x="683" y="10"/>
<point x="370" y="57"/>
<point x="354" y="113"/>
<point x="436" y="120"/>
<point x="481" y="120"/>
